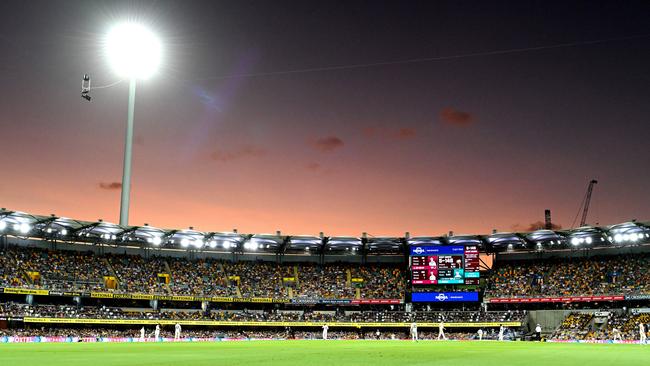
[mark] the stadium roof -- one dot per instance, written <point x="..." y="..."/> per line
<point x="53" y="228"/>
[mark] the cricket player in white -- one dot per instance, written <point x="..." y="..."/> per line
<point x="177" y="332"/>
<point x="441" y="331"/>
<point x="157" y="332"/>
<point x="325" y="328"/>
<point x="617" y="334"/>
<point x="501" y="329"/>
<point x="414" y="332"/>
<point x="642" y="336"/>
<point x="142" y="334"/>
<point x="480" y="334"/>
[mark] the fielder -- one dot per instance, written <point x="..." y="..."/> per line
<point x="441" y="331"/>
<point x="177" y="332"/>
<point x="642" y="335"/>
<point x="325" y="328"/>
<point x="414" y="332"/>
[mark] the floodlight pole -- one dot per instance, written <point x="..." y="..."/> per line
<point x="128" y="150"/>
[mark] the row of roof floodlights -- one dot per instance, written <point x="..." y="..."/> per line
<point x="26" y="225"/>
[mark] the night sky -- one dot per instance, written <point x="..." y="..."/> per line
<point x="225" y="138"/>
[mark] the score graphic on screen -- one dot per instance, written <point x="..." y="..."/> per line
<point x="437" y="265"/>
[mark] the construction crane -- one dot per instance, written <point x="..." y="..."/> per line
<point x="585" y="204"/>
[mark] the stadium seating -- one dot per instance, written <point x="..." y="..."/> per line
<point x="614" y="275"/>
<point x="76" y="271"/>
<point x="12" y="309"/>
<point x="577" y="326"/>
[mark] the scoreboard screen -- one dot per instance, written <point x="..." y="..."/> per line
<point x="440" y="265"/>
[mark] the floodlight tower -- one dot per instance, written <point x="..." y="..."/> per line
<point x="134" y="53"/>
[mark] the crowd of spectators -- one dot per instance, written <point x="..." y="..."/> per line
<point x="574" y="326"/>
<point x="259" y="279"/>
<point x="199" y="278"/>
<point x="579" y="326"/>
<point x="380" y="282"/>
<point x="57" y="270"/>
<point x="324" y="282"/>
<point x="17" y="310"/>
<point x="613" y="275"/>
<point x="137" y="274"/>
<point x="85" y="271"/>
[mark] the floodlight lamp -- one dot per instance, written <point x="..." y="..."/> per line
<point x="64" y="232"/>
<point x="3" y="225"/>
<point x="618" y="238"/>
<point x="133" y="51"/>
<point x="156" y="240"/>
<point x="185" y="242"/>
<point x="25" y="228"/>
<point x="588" y="240"/>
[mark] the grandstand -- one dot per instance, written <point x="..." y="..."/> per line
<point x="63" y="277"/>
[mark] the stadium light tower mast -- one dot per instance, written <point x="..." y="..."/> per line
<point x="134" y="53"/>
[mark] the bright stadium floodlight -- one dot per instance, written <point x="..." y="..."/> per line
<point x="133" y="52"/>
<point x="3" y="225"/>
<point x="156" y="241"/>
<point x="25" y="228"/>
<point x="185" y="242"/>
<point x="64" y="232"/>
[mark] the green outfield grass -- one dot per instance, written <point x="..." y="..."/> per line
<point x="330" y="353"/>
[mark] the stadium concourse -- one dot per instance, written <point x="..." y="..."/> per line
<point x="63" y="280"/>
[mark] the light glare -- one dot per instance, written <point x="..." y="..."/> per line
<point x="133" y="51"/>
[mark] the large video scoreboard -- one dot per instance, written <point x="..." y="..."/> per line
<point x="440" y="265"/>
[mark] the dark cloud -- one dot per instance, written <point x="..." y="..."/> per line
<point x="244" y="152"/>
<point x="314" y="166"/>
<point x="456" y="117"/>
<point x="403" y="133"/>
<point x="110" y="186"/>
<point x="327" y="144"/>
<point x="537" y="225"/>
